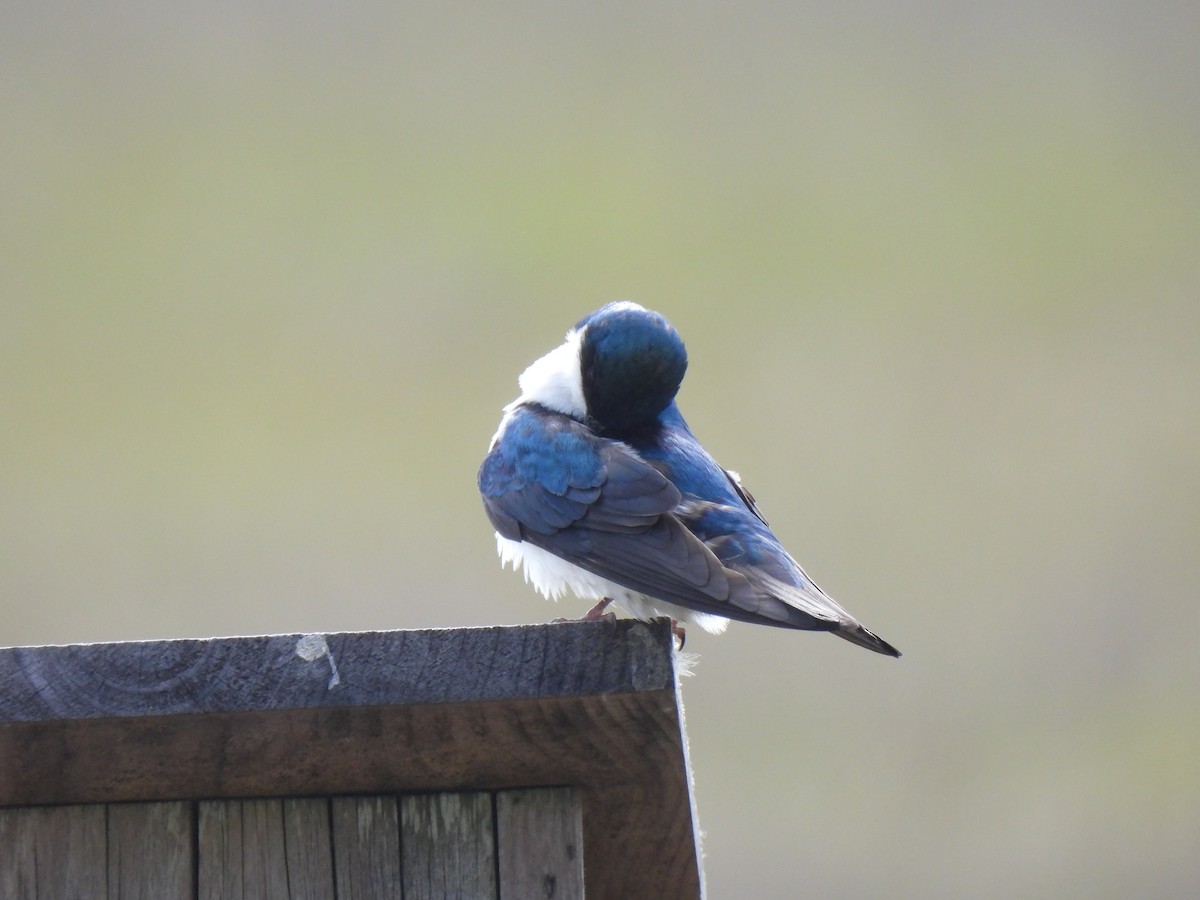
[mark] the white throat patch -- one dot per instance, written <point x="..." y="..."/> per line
<point x="555" y="380"/>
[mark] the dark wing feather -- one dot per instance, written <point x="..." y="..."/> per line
<point x="597" y="504"/>
<point x="552" y="482"/>
<point x="747" y="547"/>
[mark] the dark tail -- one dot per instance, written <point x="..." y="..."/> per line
<point x="856" y="634"/>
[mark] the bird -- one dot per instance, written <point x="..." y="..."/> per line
<point x="595" y="484"/>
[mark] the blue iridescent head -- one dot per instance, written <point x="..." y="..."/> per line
<point x="632" y="362"/>
<point x="617" y="370"/>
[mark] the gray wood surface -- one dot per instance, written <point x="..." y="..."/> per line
<point x="366" y="844"/>
<point x="309" y="849"/>
<point x="539" y="834"/>
<point x="437" y="846"/>
<point x="220" y="846"/>
<point x="138" y="679"/>
<point x="449" y="846"/>
<point x="265" y="850"/>
<point x="591" y="704"/>
<point x="53" y="853"/>
<point x="150" y="851"/>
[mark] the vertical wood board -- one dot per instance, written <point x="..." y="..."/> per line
<point x="265" y="850"/>
<point x="449" y="846"/>
<point x="53" y="853"/>
<point x="150" y="851"/>
<point x="539" y="834"/>
<point x="366" y="847"/>
<point x="308" y="848"/>
<point x="220" y="847"/>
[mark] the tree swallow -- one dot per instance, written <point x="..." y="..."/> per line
<point x="595" y="484"/>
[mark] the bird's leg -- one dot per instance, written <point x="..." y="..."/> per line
<point x="597" y="613"/>
<point x="678" y="630"/>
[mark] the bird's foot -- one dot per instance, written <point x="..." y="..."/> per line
<point x="596" y="614"/>
<point x="679" y="632"/>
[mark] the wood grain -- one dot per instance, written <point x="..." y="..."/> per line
<point x="539" y="834"/>
<point x="449" y="847"/>
<point x="366" y="846"/>
<point x="309" y="849"/>
<point x="158" y="678"/>
<point x="220" y="844"/>
<point x="265" y="850"/>
<point x="53" y="853"/>
<point x="150" y="851"/>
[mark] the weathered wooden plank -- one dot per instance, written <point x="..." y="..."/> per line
<point x="539" y="838"/>
<point x="308" y="848"/>
<point x="600" y="713"/>
<point x="366" y="847"/>
<point x="265" y="850"/>
<point x="140" y="679"/>
<point x="150" y="851"/>
<point x="53" y="853"/>
<point x="220" y="844"/>
<point x="18" y="836"/>
<point x="449" y="847"/>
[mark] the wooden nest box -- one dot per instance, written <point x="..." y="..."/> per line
<point x="511" y="763"/>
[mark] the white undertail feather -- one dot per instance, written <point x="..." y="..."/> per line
<point x="554" y="576"/>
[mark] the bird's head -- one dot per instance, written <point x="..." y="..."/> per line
<point x="618" y="368"/>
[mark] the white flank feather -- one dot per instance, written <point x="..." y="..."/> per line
<point x="554" y="576"/>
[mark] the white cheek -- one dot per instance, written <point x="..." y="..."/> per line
<point x="555" y="381"/>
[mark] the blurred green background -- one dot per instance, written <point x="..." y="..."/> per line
<point x="269" y="271"/>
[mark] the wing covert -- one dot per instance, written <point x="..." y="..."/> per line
<point x="550" y="481"/>
<point x="546" y="473"/>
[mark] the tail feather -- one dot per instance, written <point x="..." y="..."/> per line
<point x="856" y="634"/>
